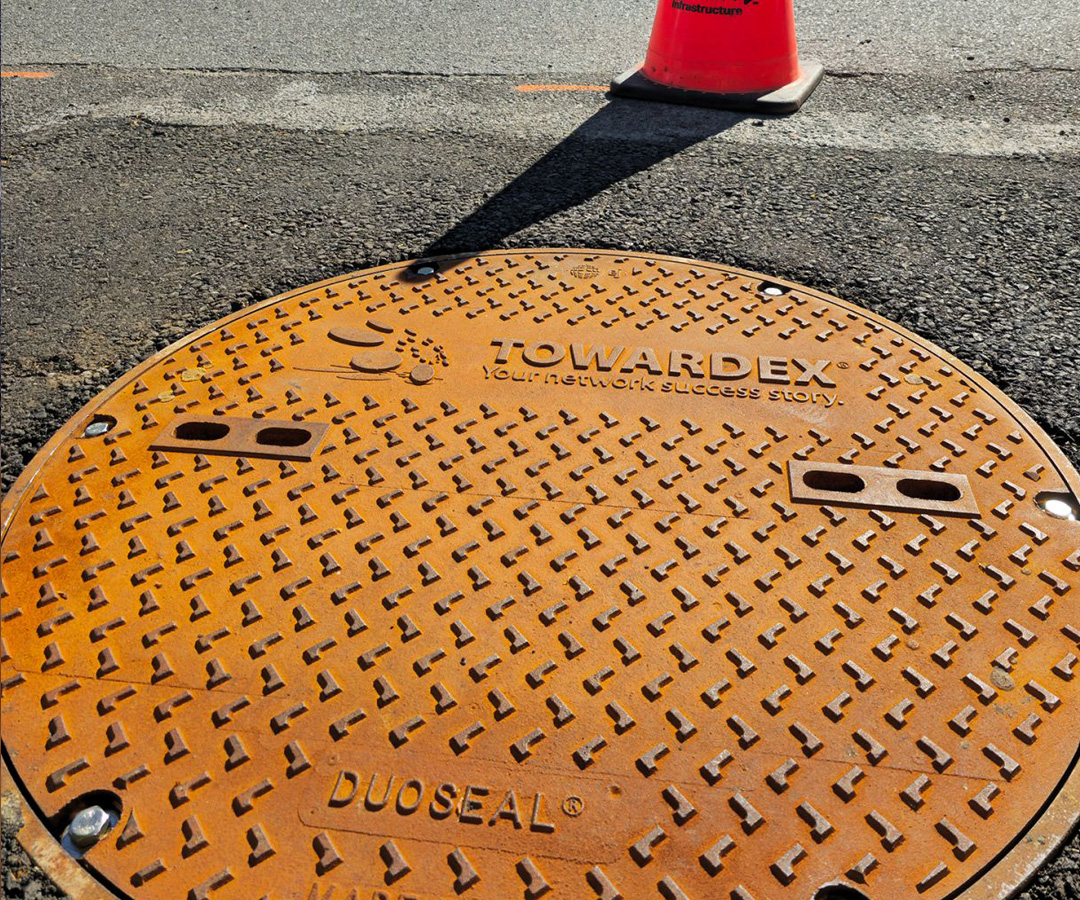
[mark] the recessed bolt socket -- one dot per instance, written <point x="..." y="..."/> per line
<point x="839" y="892"/>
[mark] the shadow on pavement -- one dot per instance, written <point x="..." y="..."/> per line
<point x="621" y="139"/>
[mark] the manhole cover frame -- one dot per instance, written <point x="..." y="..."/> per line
<point x="1014" y="868"/>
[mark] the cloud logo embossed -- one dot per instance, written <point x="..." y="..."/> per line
<point x="388" y="352"/>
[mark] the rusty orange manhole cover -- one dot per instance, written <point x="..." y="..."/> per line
<point x="567" y="574"/>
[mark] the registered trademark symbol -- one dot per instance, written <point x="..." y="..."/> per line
<point x="573" y="806"/>
<point x="842" y="365"/>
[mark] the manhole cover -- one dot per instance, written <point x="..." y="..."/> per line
<point x="548" y="573"/>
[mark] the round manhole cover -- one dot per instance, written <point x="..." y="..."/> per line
<point x="569" y="574"/>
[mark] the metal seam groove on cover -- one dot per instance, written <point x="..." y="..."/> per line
<point x="548" y="574"/>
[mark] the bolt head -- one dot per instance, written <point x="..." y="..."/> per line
<point x="96" y="429"/>
<point x="1059" y="509"/>
<point x="89" y="826"/>
<point x="423" y="270"/>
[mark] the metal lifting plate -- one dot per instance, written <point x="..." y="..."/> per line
<point x="547" y="574"/>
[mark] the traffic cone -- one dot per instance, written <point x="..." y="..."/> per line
<point x="731" y="54"/>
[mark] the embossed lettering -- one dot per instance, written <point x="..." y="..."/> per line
<point x="691" y="364"/>
<point x="543" y="353"/>
<point x="642" y="358"/>
<point x="728" y="366"/>
<point x="443" y="804"/>
<point x="505" y="345"/>
<point x="536" y="823"/>
<point x="685" y="359"/>
<point x="471" y="805"/>
<point x="813" y="371"/>
<point x="600" y="358"/>
<point x="406" y="807"/>
<point x="508" y="810"/>
<point x="372" y="804"/>
<point x="411" y="794"/>
<point x="353" y="785"/>
<point x="773" y="370"/>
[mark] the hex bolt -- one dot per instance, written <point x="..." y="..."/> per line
<point x="1059" y="509"/>
<point x="89" y="826"/>
<point x="1060" y="506"/>
<point x="423" y="270"/>
<point x="772" y="289"/>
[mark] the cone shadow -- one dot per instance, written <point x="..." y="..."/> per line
<point x="621" y="139"/>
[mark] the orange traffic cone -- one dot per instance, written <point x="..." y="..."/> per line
<point x="732" y="54"/>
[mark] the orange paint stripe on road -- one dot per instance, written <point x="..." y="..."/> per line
<point x="532" y="88"/>
<point x="26" y="74"/>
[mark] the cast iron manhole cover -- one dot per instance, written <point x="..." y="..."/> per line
<point x="568" y="574"/>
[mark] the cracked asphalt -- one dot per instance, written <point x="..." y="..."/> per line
<point x="179" y="164"/>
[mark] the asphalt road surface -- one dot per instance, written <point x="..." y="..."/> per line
<point x="184" y="160"/>
<point x="493" y="37"/>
